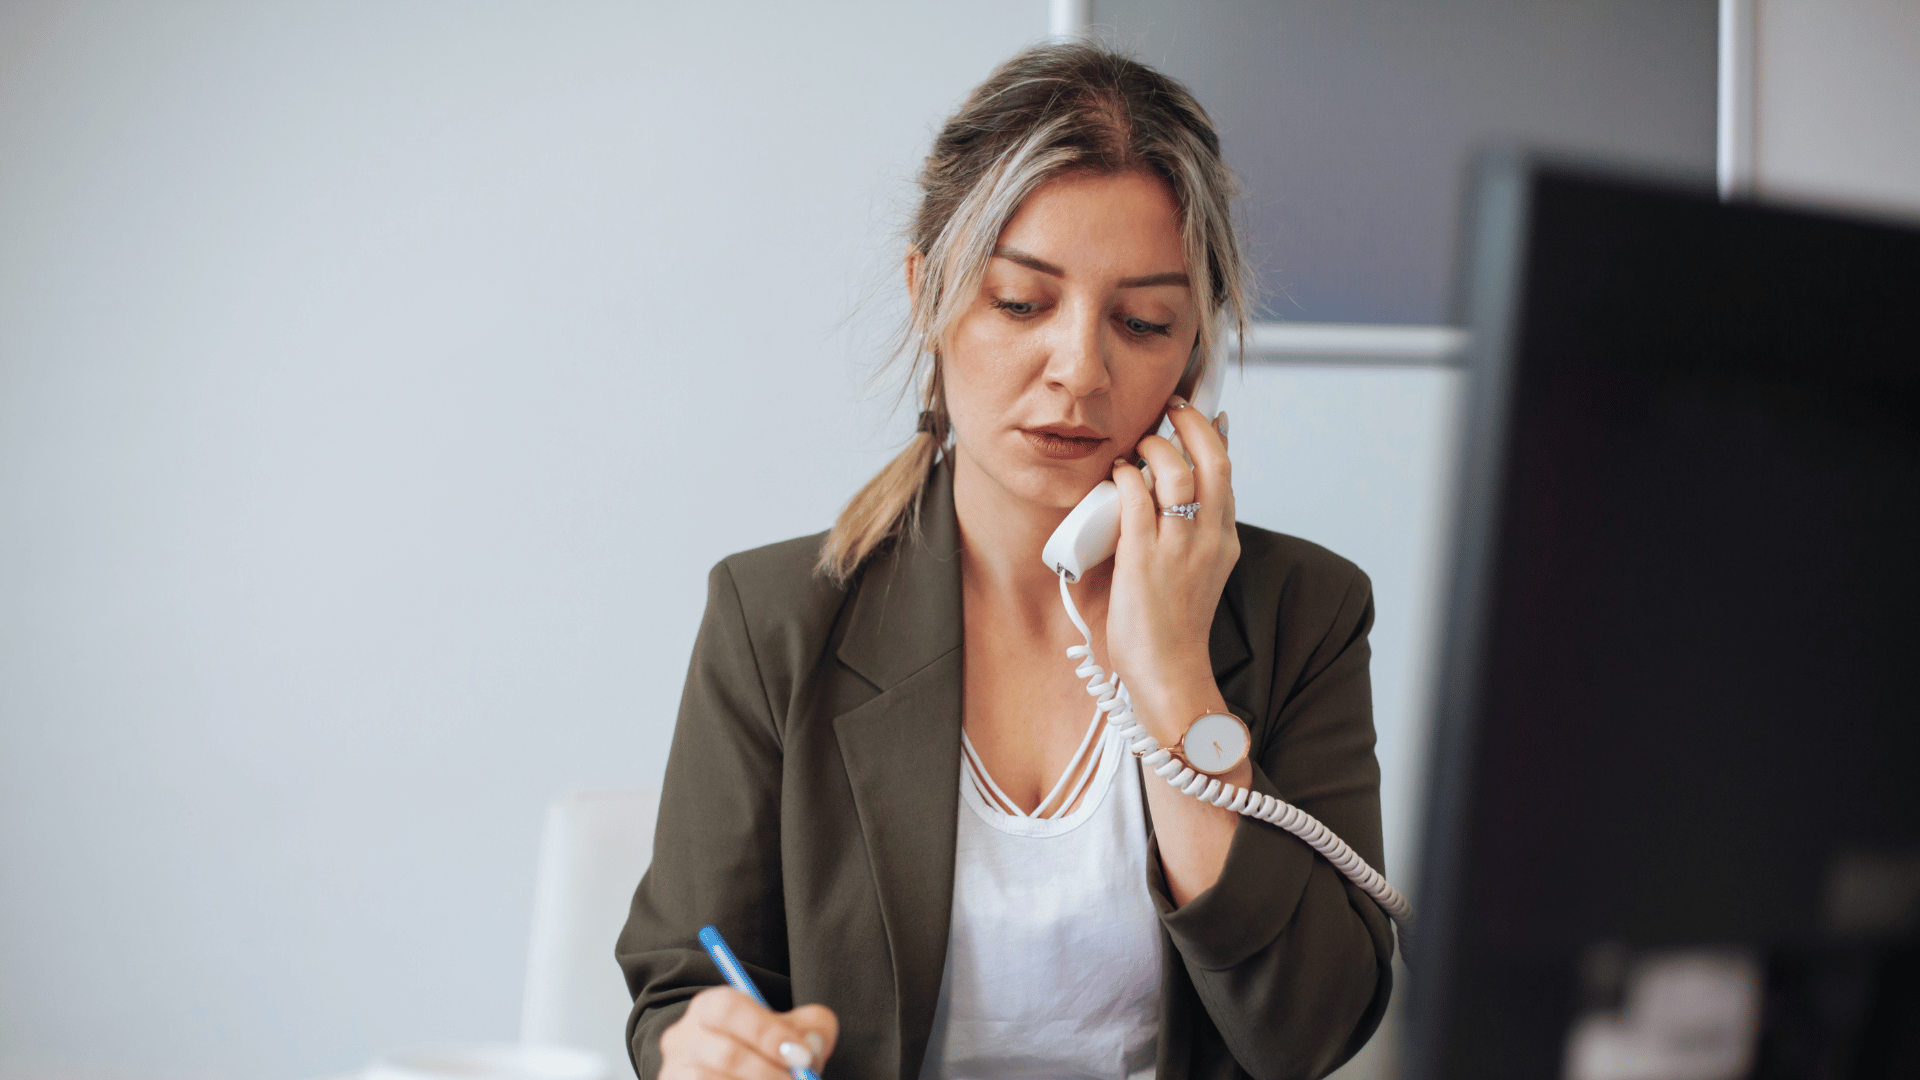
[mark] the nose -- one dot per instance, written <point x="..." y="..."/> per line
<point x="1076" y="357"/>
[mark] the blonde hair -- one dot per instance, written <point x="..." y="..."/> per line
<point x="1055" y="109"/>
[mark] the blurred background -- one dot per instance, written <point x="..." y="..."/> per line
<point x="378" y="381"/>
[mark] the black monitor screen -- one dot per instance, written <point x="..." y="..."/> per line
<point x="1675" y="750"/>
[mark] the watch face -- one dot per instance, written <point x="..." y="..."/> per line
<point x="1215" y="743"/>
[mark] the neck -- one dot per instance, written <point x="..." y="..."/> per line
<point x="1001" y="536"/>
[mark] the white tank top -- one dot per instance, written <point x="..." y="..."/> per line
<point x="1053" y="954"/>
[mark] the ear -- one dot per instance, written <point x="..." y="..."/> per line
<point x="913" y="274"/>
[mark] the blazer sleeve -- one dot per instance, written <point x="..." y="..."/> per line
<point x="1293" y="963"/>
<point x="716" y="848"/>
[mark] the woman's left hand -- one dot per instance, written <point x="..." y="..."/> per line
<point x="1168" y="573"/>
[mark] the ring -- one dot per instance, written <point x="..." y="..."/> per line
<point x="1183" y="510"/>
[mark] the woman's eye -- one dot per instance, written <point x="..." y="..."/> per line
<point x="1141" y="327"/>
<point x="1016" y="307"/>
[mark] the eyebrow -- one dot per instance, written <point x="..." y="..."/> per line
<point x="1033" y="262"/>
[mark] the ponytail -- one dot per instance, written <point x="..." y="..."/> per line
<point x="888" y="506"/>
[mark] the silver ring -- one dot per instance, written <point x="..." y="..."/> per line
<point x="1181" y="510"/>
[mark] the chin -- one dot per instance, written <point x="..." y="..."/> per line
<point x="1055" y="486"/>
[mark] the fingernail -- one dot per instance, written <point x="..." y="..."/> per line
<point x="795" y="1055"/>
<point x="1176" y="403"/>
<point x="1119" y="461"/>
<point x="819" y="1044"/>
<point x="1220" y="424"/>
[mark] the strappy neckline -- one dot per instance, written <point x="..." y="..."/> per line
<point x="1076" y="780"/>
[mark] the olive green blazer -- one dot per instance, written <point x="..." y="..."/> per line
<point x="810" y="799"/>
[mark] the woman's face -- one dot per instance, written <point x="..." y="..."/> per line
<point x="1080" y="332"/>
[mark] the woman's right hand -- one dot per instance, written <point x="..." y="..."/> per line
<point x="725" y="1033"/>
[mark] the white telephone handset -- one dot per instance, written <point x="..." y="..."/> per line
<point x="1090" y="534"/>
<point x="1087" y="538"/>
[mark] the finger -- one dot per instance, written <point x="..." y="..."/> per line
<point x="1172" y="476"/>
<point x="691" y="1049"/>
<point x="724" y="1053"/>
<point x="1220" y="425"/>
<point x="820" y="1031"/>
<point x="674" y="1069"/>
<point x="1212" y="471"/>
<point x="744" y="1037"/>
<point x="1137" y="511"/>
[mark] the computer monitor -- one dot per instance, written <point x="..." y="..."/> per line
<point x="1673" y="823"/>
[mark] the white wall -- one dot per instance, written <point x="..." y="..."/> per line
<point x="377" y="382"/>
<point x="1836" y="98"/>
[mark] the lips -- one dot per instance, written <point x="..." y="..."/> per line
<point x="1064" y="443"/>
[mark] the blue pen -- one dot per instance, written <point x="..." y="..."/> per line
<point x="736" y="977"/>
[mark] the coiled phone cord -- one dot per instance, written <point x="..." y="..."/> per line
<point x="1110" y="697"/>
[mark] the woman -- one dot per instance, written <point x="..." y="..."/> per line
<point x="884" y="788"/>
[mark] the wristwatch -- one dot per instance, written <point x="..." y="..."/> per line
<point x="1216" y="743"/>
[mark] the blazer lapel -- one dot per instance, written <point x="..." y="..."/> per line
<point x="1227" y="638"/>
<point x="902" y="750"/>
